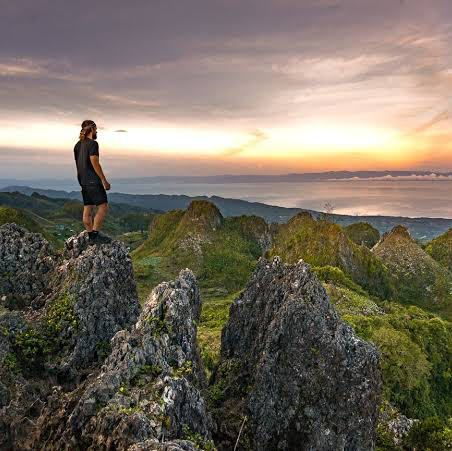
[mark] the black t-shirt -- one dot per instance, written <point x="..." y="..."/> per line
<point x="85" y="172"/>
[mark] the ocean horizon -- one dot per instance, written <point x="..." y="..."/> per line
<point x="411" y="198"/>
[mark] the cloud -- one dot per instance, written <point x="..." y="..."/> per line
<point x="428" y="177"/>
<point x="257" y="136"/>
<point x="120" y="131"/>
<point x="440" y="117"/>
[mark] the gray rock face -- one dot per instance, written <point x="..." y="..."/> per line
<point x="98" y="281"/>
<point x="298" y="373"/>
<point x="27" y="262"/>
<point x="92" y="295"/>
<point x="149" y="388"/>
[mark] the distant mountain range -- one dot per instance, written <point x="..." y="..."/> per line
<point x="422" y="228"/>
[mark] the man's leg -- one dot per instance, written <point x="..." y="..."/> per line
<point x="102" y="211"/>
<point x="88" y="217"/>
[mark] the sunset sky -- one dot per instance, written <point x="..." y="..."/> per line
<point x="226" y="86"/>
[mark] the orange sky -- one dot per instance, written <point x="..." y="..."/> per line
<point x="326" y="85"/>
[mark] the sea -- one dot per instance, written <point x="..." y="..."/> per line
<point x="353" y="197"/>
<point x="412" y="198"/>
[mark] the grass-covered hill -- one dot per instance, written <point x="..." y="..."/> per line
<point x="9" y="214"/>
<point x="416" y="349"/>
<point x="421" y="280"/>
<point x="59" y="218"/>
<point x="221" y="251"/>
<point x="323" y="243"/>
<point x="440" y="249"/>
<point x="362" y="233"/>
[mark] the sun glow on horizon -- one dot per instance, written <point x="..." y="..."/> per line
<point x="312" y="144"/>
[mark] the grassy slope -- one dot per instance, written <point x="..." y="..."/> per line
<point x="222" y="252"/>
<point x="362" y="233"/>
<point x="322" y="243"/>
<point x="440" y="249"/>
<point x="420" y="279"/>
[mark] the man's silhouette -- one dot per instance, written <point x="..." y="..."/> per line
<point x="92" y="180"/>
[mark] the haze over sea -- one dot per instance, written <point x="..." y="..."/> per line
<point x="388" y="198"/>
<point x="413" y="198"/>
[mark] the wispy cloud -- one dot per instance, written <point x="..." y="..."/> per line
<point x="256" y="137"/>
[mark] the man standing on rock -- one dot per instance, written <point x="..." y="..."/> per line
<point x="92" y="180"/>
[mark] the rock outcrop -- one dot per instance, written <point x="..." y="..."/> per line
<point x="27" y="263"/>
<point x="292" y="374"/>
<point x="90" y="369"/>
<point x="149" y="388"/>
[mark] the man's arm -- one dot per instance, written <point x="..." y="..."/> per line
<point x="97" y="167"/>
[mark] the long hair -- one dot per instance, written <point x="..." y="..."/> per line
<point x="88" y="126"/>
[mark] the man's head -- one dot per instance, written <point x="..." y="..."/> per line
<point x="89" y="130"/>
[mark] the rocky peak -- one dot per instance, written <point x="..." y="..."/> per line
<point x="398" y="232"/>
<point x="292" y="367"/>
<point x="202" y="214"/>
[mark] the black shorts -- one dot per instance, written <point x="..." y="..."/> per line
<point x="94" y="195"/>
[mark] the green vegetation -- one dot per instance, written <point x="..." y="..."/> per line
<point x="199" y="441"/>
<point x="416" y="349"/>
<point x="440" y="249"/>
<point x="158" y="326"/>
<point x="420" y="280"/>
<point x="182" y="371"/>
<point x="214" y="315"/>
<point x="362" y="233"/>
<point x="222" y="252"/>
<point x="33" y="345"/>
<point x="322" y="243"/>
<point x="60" y="313"/>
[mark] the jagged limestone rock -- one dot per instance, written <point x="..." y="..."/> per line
<point x="98" y="281"/>
<point x="92" y="295"/>
<point x="27" y="262"/>
<point x="291" y="371"/>
<point x="149" y="386"/>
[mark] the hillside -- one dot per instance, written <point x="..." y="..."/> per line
<point x="420" y="279"/>
<point x="323" y="243"/>
<point x="362" y="233"/>
<point x="58" y="218"/>
<point x="221" y="251"/>
<point x="440" y="249"/>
